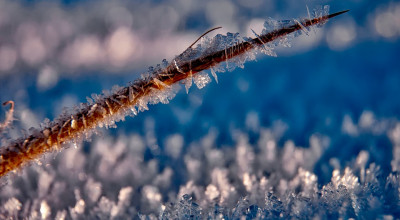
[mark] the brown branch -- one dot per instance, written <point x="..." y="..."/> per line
<point x="107" y="109"/>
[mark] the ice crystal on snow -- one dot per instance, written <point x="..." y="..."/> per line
<point x="45" y="210"/>
<point x="12" y="206"/>
<point x="173" y="146"/>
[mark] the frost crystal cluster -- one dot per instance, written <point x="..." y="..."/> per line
<point x="268" y="178"/>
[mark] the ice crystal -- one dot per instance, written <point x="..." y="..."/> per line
<point x="173" y="146"/>
<point x="188" y="82"/>
<point x="201" y="79"/>
<point x="12" y="206"/>
<point x="45" y="210"/>
<point x="214" y="74"/>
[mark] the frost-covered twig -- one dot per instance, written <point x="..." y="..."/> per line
<point x="157" y="86"/>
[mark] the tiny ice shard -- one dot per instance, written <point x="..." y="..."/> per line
<point x="165" y="63"/>
<point x="201" y="79"/>
<point x="188" y="82"/>
<point x="79" y="207"/>
<point x="187" y="209"/>
<point x="124" y="196"/>
<point x="93" y="190"/>
<point x="321" y="11"/>
<point x="286" y="41"/>
<point x="45" y="210"/>
<point x="270" y="24"/>
<point x="267" y="50"/>
<point x="12" y="205"/>
<point x="142" y="105"/>
<point x="219" y="68"/>
<point x="61" y="215"/>
<point x="214" y="74"/>
<point x="305" y="30"/>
